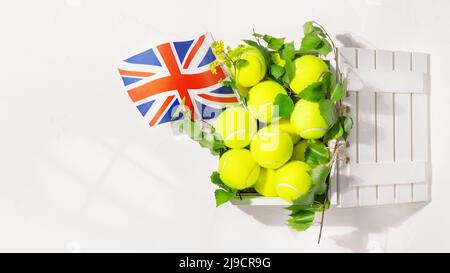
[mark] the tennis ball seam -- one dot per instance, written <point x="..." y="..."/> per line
<point x="234" y="133"/>
<point x="249" y="174"/>
<point x="289" y="186"/>
<point x="224" y="162"/>
<point x="313" y="129"/>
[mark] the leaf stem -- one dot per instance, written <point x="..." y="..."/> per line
<point x="334" y="155"/>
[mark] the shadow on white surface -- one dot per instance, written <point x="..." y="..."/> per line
<point x="351" y="40"/>
<point x="369" y="226"/>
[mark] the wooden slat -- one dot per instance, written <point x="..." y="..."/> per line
<point x="367" y="127"/>
<point x="348" y="196"/>
<point x="420" y="128"/>
<point x="365" y="80"/>
<point x="402" y="125"/>
<point x="385" y="127"/>
<point x="399" y="173"/>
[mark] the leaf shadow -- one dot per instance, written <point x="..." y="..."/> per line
<point x="369" y="226"/>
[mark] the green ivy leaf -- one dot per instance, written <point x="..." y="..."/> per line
<point x="289" y="68"/>
<point x="223" y="196"/>
<point x="310" y="42"/>
<point x="296" y="208"/>
<point x="288" y="51"/>
<point x="212" y="142"/>
<point x="241" y="62"/>
<point x="334" y="133"/>
<point x="251" y="43"/>
<point x="267" y="38"/>
<point x="315" y="40"/>
<point x="337" y="93"/>
<point x="324" y="48"/>
<point x="227" y="83"/>
<point x="191" y="128"/>
<point x="319" y="176"/>
<point x="328" y="80"/>
<point x="317" y="153"/>
<point x="257" y="35"/>
<point x="328" y="111"/>
<point x="285" y="106"/>
<point x="276" y="71"/>
<point x="347" y="124"/>
<point x="275" y="43"/>
<point x="215" y="179"/>
<point x="308" y="27"/>
<point x="275" y="57"/>
<point x="305" y="200"/>
<point x="218" y="145"/>
<point x="313" y="92"/>
<point x="302" y="220"/>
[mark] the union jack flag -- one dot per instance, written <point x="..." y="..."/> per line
<point x="160" y="78"/>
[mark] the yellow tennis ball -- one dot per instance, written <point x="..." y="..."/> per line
<point x="254" y="70"/>
<point x="236" y="127"/>
<point x="299" y="151"/>
<point x="308" y="69"/>
<point x="238" y="169"/>
<point x="265" y="185"/>
<point x="307" y="120"/>
<point x="285" y="125"/>
<point x="271" y="148"/>
<point x="261" y="98"/>
<point x="293" y="180"/>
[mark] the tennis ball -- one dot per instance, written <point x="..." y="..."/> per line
<point x="285" y="125"/>
<point x="299" y="151"/>
<point x="307" y="120"/>
<point x="308" y="69"/>
<point x="271" y="148"/>
<point x="238" y="169"/>
<point x="265" y="185"/>
<point x="261" y="98"/>
<point x="292" y="180"/>
<point x="236" y="127"/>
<point x="254" y="70"/>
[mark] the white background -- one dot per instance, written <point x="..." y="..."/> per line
<point x="81" y="171"/>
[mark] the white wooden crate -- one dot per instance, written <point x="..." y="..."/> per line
<point x="389" y="144"/>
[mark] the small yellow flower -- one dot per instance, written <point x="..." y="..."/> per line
<point x="212" y="68"/>
<point x="213" y="65"/>
<point x="218" y="47"/>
